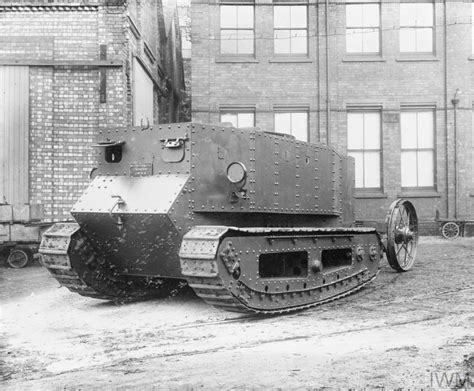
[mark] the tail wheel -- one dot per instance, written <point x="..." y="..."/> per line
<point x="450" y="230"/>
<point x="402" y="235"/>
<point x="19" y="258"/>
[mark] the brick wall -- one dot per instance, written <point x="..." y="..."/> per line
<point x="65" y="108"/>
<point x="388" y="81"/>
<point x="263" y="83"/>
<point x="63" y="101"/>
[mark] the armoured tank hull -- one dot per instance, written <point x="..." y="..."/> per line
<point x="254" y="222"/>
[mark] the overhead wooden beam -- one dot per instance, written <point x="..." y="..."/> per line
<point x="64" y="63"/>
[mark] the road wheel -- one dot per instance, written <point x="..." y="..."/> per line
<point x="402" y="235"/>
<point x="450" y="230"/>
<point x="19" y="258"/>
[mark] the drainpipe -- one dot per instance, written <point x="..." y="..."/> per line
<point x="318" y="57"/>
<point x="328" y="108"/>
<point x="455" y="102"/>
<point x="446" y="122"/>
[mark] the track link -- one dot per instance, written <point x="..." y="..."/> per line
<point x="202" y="264"/>
<point x="74" y="263"/>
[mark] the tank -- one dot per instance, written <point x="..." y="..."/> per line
<point x="252" y="221"/>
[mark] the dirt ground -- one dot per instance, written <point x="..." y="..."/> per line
<point x="410" y="330"/>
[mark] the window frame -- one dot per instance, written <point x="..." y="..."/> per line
<point x="292" y="110"/>
<point x="472" y="28"/>
<point x="306" y="29"/>
<point x="368" y="110"/>
<point x="379" y="28"/>
<point x="416" y="27"/>
<point x="221" y="29"/>
<point x="236" y="111"/>
<point x="419" y="109"/>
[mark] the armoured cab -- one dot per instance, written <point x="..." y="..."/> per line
<point x="151" y="185"/>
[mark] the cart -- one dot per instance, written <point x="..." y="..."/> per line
<point x="454" y="228"/>
<point x="21" y="228"/>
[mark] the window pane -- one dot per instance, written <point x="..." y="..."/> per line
<point x="245" y="16"/>
<point x="409" y="172"/>
<point x="299" y="44"/>
<point x="228" y="117"/>
<point x="282" y="41"/>
<point x="425" y="168"/>
<point x="407" y="40"/>
<point x="246" y="120"/>
<point x="372" y="169"/>
<point x="228" y="41"/>
<point x="354" y="41"/>
<point x="424" y="40"/>
<point x="425" y="129"/>
<point x="245" y="42"/>
<point x="283" y="123"/>
<point x="354" y="15"/>
<point x="355" y="130"/>
<point x="408" y="123"/>
<point x="228" y="16"/>
<point x="371" y="41"/>
<point x="359" y="168"/>
<point x="299" y="124"/>
<point x="407" y="14"/>
<point x="372" y="131"/>
<point x="424" y="14"/>
<point x="281" y="16"/>
<point x="371" y="15"/>
<point x="298" y="16"/>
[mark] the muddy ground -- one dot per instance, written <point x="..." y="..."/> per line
<point x="407" y="330"/>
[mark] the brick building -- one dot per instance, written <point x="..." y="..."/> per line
<point x="69" y="68"/>
<point x="376" y="79"/>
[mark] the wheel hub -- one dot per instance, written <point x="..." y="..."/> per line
<point x="404" y="235"/>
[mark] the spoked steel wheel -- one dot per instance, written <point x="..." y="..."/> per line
<point x="450" y="230"/>
<point x="18" y="258"/>
<point x="402" y="235"/>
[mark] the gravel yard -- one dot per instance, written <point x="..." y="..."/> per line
<point x="407" y="330"/>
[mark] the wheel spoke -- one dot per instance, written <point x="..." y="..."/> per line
<point x="402" y="220"/>
<point x="405" y="260"/>
<point x="408" y="256"/>
<point x="398" y="249"/>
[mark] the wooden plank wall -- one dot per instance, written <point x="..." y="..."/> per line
<point x="14" y="134"/>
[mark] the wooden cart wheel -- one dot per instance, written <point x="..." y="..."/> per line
<point x="18" y="258"/>
<point x="450" y="230"/>
<point x="402" y="235"/>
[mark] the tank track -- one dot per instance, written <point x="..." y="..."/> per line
<point x="71" y="260"/>
<point x="213" y="293"/>
<point x="202" y="274"/>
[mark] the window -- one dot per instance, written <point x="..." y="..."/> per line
<point x="143" y="97"/>
<point x="290" y="29"/>
<point x="417" y="152"/>
<point x="472" y="27"/>
<point x="472" y="151"/>
<point x="237" y="29"/>
<point x="239" y="119"/>
<point x="363" y="28"/>
<point x="292" y="122"/>
<point x="364" y="145"/>
<point x="416" y="27"/>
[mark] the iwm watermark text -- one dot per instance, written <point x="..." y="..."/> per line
<point x="452" y="380"/>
